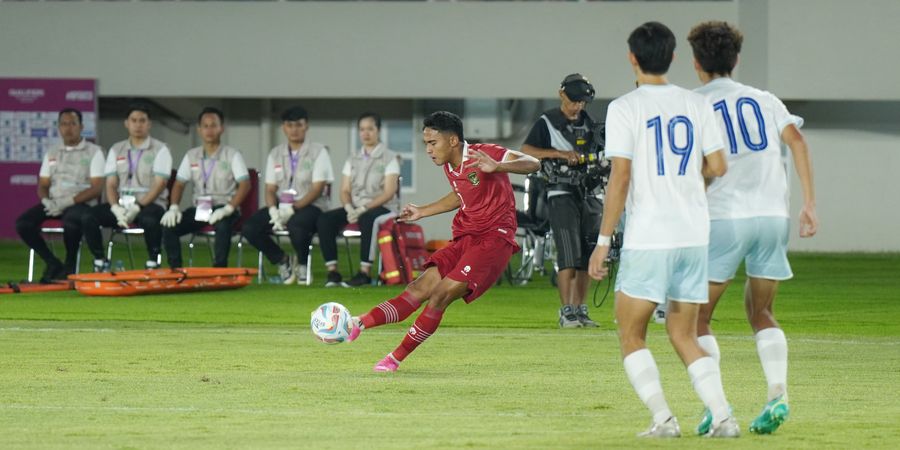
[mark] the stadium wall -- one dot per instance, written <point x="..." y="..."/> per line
<point x="250" y="58"/>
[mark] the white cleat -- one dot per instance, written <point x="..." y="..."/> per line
<point x="667" y="429"/>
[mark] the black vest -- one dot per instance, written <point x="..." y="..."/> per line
<point x="588" y="140"/>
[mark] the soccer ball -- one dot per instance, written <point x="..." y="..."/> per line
<point x="331" y="323"/>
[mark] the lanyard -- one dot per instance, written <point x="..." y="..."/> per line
<point x="294" y="162"/>
<point x="132" y="166"/>
<point x="207" y="173"/>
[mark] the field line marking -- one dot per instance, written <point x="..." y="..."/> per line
<point x="454" y="331"/>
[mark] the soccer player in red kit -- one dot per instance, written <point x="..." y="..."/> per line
<point x="483" y="233"/>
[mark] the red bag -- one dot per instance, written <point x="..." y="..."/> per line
<point x="403" y="253"/>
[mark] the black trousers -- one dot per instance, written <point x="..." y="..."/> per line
<point x="28" y="225"/>
<point x="301" y="227"/>
<point x="221" y="242"/>
<point x="575" y="222"/>
<point x="102" y="216"/>
<point x="332" y="222"/>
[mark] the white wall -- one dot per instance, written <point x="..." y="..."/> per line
<point x="857" y="191"/>
<point x="334" y="49"/>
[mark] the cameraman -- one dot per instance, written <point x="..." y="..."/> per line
<point x="568" y="142"/>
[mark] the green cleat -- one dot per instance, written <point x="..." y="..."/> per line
<point x="705" y="423"/>
<point x="772" y="416"/>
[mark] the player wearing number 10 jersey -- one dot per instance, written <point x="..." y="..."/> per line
<point x="663" y="142"/>
<point x="748" y="207"/>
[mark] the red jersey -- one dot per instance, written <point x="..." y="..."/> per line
<point x="487" y="204"/>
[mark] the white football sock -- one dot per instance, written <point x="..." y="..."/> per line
<point x="771" y="345"/>
<point x="644" y="377"/>
<point x="710" y="346"/>
<point x="707" y="381"/>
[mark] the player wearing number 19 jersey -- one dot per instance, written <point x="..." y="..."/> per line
<point x="483" y="233"/>
<point x="749" y="205"/>
<point x="663" y="142"/>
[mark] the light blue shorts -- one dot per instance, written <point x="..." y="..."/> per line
<point x="761" y="242"/>
<point x="678" y="274"/>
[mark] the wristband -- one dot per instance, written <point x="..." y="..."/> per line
<point x="604" y="241"/>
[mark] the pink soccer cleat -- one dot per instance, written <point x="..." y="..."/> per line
<point x="388" y="364"/>
<point x="355" y="329"/>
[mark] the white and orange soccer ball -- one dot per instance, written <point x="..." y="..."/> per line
<point x="331" y="323"/>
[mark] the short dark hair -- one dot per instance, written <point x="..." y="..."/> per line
<point x="444" y="122"/>
<point x="653" y="45"/>
<point x="294" y="113"/>
<point x="211" y="110"/>
<point x="369" y="115"/>
<point x="716" y="46"/>
<point x="140" y="107"/>
<point x="70" y="111"/>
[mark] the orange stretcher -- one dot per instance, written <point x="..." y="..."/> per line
<point x="27" y="288"/>
<point x="162" y="281"/>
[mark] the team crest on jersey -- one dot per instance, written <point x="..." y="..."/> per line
<point x="473" y="178"/>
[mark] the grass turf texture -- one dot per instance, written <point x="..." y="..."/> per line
<point x="239" y="369"/>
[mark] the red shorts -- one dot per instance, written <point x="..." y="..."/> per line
<point x="477" y="261"/>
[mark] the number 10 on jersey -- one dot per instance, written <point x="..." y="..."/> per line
<point x="684" y="150"/>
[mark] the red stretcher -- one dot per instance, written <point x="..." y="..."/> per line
<point x="162" y="281"/>
<point x="28" y="288"/>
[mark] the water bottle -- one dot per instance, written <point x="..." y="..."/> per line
<point x="119" y="266"/>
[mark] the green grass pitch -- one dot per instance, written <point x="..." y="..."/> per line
<point x="240" y="369"/>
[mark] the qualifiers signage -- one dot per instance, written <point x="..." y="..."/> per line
<point x="28" y="129"/>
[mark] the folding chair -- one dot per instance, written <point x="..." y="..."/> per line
<point x="248" y="207"/>
<point x="51" y="227"/>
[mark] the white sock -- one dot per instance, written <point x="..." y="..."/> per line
<point x="771" y="345"/>
<point x="711" y="347"/>
<point x="707" y="381"/>
<point x="644" y="377"/>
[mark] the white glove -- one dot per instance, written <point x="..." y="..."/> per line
<point x="221" y="213"/>
<point x="131" y="212"/>
<point x="275" y="219"/>
<point x="349" y="208"/>
<point x="286" y="213"/>
<point x="172" y="217"/>
<point x="50" y="207"/>
<point x="121" y="215"/>
<point x="354" y="216"/>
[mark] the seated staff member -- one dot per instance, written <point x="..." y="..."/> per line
<point x="221" y="182"/>
<point x="137" y="172"/>
<point x="368" y="190"/>
<point x="297" y="176"/>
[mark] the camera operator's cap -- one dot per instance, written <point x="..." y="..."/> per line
<point x="577" y="88"/>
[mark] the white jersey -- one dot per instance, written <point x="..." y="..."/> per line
<point x="665" y="131"/>
<point x="751" y="122"/>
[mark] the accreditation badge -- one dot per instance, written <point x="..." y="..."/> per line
<point x="204" y="206"/>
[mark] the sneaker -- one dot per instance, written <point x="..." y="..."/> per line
<point x="582" y="314"/>
<point x="151" y="264"/>
<point x="286" y="272"/>
<point x="773" y="415"/>
<point x="360" y="279"/>
<point x="355" y="329"/>
<point x="54" y="271"/>
<point x="388" y="364"/>
<point x="335" y="279"/>
<point x="567" y="317"/>
<point x="667" y="429"/>
<point x="300" y="272"/>
<point x="727" y="428"/>
<point x="101" y="265"/>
